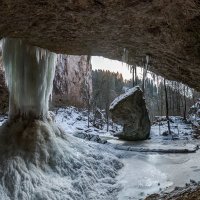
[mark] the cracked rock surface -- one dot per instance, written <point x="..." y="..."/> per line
<point x="168" y="31"/>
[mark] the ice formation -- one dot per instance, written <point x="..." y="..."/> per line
<point x="125" y="56"/>
<point x="40" y="163"/>
<point x="38" y="160"/>
<point x="29" y="76"/>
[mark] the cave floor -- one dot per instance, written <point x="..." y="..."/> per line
<point x="146" y="173"/>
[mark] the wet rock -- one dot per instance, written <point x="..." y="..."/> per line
<point x="167" y="30"/>
<point x="177" y="188"/>
<point x="130" y="110"/>
<point x="70" y="81"/>
<point x="187" y="184"/>
<point x="193" y="182"/>
<point x="165" y="133"/>
<point x="3" y="89"/>
<point x="90" y="137"/>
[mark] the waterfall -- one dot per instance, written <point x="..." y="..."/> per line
<point x="29" y="77"/>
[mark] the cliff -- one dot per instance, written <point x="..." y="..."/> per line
<point x="73" y="81"/>
<point x="3" y="89"/>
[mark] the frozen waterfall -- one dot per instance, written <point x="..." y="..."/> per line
<point x="29" y="76"/>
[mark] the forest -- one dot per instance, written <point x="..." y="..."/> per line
<point x="108" y="85"/>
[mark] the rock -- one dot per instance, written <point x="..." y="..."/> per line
<point x="71" y="75"/>
<point x="193" y="182"/>
<point x="3" y="89"/>
<point x="166" y="30"/>
<point x="130" y="110"/>
<point x="90" y="137"/>
<point x="177" y="188"/>
<point x="187" y="184"/>
<point x="165" y="133"/>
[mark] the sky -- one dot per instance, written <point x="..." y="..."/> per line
<point x="111" y="65"/>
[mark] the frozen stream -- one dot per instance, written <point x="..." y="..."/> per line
<point x="147" y="173"/>
<point x="143" y="173"/>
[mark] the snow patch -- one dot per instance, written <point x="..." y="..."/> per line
<point x="74" y="120"/>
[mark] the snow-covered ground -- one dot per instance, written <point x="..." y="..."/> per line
<point x="75" y="121"/>
<point x="152" y="172"/>
<point x="51" y="164"/>
<point x="147" y="173"/>
<point x="143" y="172"/>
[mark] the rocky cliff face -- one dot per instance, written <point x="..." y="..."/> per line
<point x="168" y="31"/>
<point x="73" y="81"/>
<point x="3" y="89"/>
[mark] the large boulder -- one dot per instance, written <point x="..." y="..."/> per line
<point x="129" y="110"/>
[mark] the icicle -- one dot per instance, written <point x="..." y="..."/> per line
<point x="125" y="56"/>
<point x="147" y="60"/>
<point x="29" y="76"/>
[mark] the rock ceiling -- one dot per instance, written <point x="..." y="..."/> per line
<point x="166" y="30"/>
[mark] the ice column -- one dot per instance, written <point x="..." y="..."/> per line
<point x="29" y="76"/>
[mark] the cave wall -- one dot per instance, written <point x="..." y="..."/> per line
<point x="168" y="31"/>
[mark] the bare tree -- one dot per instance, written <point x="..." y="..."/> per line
<point x="185" y="103"/>
<point x="86" y="92"/>
<point x="167" y="109"/>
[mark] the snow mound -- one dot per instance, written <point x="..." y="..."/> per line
<point x="74" y="120"/>
<point x="39" y="162"/>
<point x="123" y="96"/>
